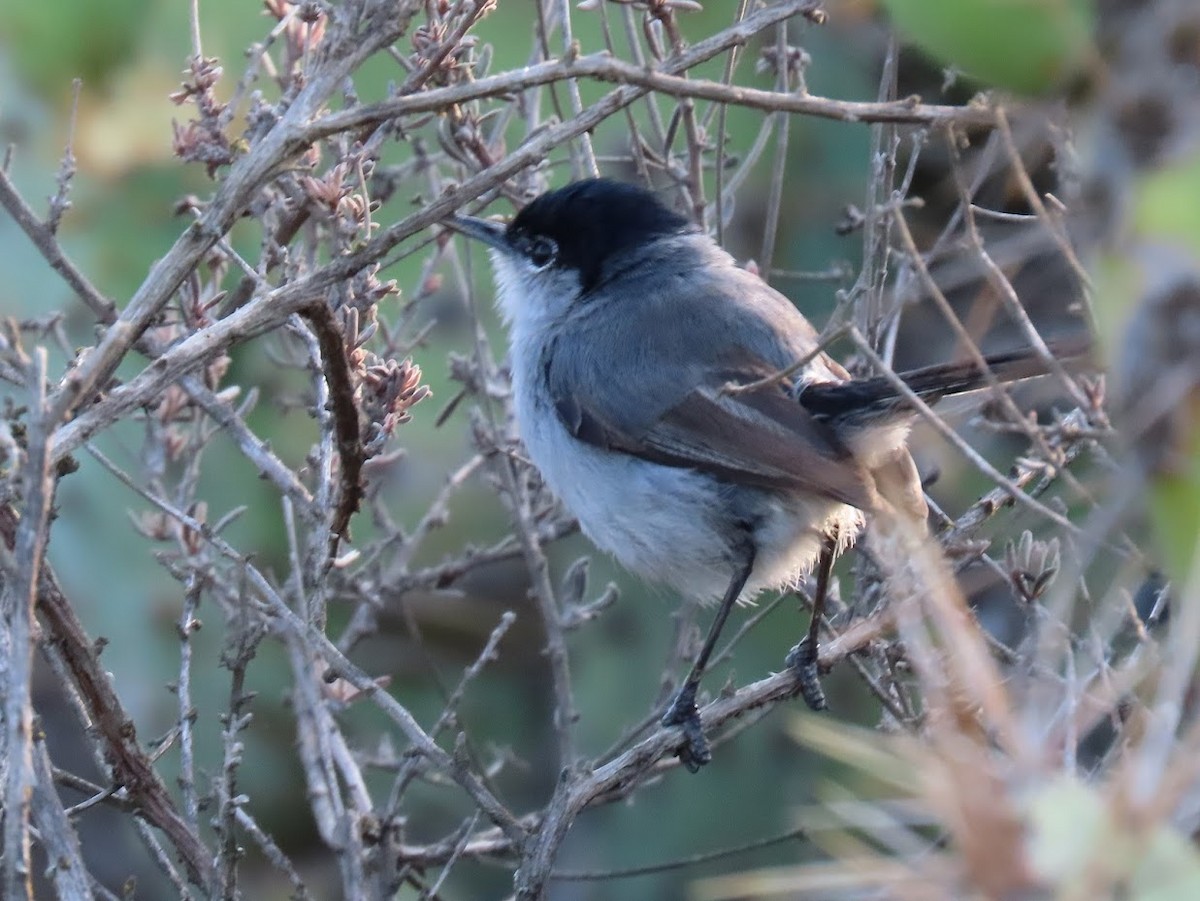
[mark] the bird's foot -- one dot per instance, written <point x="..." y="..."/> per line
<point x="695" y="751"/>
<point x="802" y="660"/>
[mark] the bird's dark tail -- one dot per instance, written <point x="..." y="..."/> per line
<point x="879" y="396"/>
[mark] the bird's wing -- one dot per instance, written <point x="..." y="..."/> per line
<point x="680" y="414"/>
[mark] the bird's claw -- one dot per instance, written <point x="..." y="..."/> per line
<point x="802" y="660"/>
<point x="695" y="751"/>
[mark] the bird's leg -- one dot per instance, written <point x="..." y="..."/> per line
<point x="695" y="752"/>
<point x="803" y="657"/>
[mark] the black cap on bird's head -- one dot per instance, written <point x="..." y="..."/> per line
<point x="581" y="226"/>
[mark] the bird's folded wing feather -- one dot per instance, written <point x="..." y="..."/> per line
<point x="760" y="438"/>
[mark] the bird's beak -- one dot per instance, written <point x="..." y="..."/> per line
<point x="490" y="233"/>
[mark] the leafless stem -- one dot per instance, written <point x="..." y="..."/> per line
<point x="56" y="832"/>
<point x="188" y="624"/>
<point x="59" y="204"/>
<point x="605" y="68"/>
<point x="775" y="194"/>
<point x="23" y="572"/>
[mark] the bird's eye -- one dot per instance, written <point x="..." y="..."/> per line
<point x="541" y="252"/>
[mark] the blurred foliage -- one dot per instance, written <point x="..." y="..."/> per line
<point x="1028" y="46"/>
<point x="74" y="38"/>
<point x="1076" y="833"/>
<point x="1148" y="310"/>
<point x="1165" y="208"/>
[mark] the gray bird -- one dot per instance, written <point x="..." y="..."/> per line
<point x="627" y="327"/>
